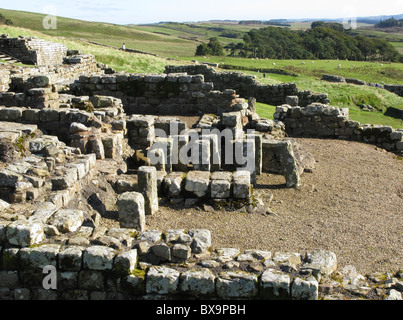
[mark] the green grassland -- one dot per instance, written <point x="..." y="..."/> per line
<point x="105" y="33"/>
<point x="179" y="41"/>
<point x="117" y="59"/>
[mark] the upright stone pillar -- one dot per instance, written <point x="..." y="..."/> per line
<point x="179" y="142"/>
<point x="258" y="150"/>
<point x="131" y="211"/>
<point x="245" y="157"/>
<point x="147" y="181"/>
<point x="97" y="147"/>
<point x="289" y="164"/>
<point x="157" y="158"/>
<point x="215" y="152"/>
<point x="165" y="144"/>
<point x="201" y="155"/>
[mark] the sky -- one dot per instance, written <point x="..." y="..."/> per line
<point x="152" y="11"/>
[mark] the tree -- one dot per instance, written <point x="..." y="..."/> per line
<point x="316" y="24"/>
<point x="203" y="50"/>
<point x="214" y="48"/>
<point x="323" y="41"/>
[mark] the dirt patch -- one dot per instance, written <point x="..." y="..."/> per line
<point x="351" y="204"/>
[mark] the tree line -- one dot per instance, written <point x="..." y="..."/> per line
<point x="321" y="41"/>
<point x="389" y="23"/>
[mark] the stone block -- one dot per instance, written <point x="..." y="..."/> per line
<point x="245" y="156"/>
<point x="67" y="220"/>
<point x="293" y="101"/>
<point x="162" y="250"/>
<point x="97" y="147"/>
<point x="39" y="257"/>
<point x="147" y="182"/>
<point x="10" y="114"/>
<point x="215" y="150"/>
<point x="91" y="280"/>
<point x="66" y="180"/>
<point x="140" y="121"/>
<point x="9" y="178"/>
<point x="288" y="261"/>
<point x="198" y="182"/>
<point x="178" y="236"/>
<point x="237" y="285"/>
<point x="307" y="289"/>
<point x="70" y="259"/>
<point x="198" y="283"/>
<point x="232" y="120"/>
<point x="98" y="258"/>
<point x="201" y="240"/>
<point x="126" y="262"/>
<point x="152" y="236"/>
<point x="131" y="210"/>
<point x="220" y="189"/>
<point x="181" y="251"/>
<point x="258" y="151"/>
<point x="179" y="160"/>
<point x="201" y="155"/>
<point x="162" y="280"/>
<point x="242" y="184"/>
<point x="81" y="169"/>
<point x="24" y="233"/>
<point x="166" y="145"/>
<point x="172" y="184"/>
<point x="275" y="285"/>
<point x="321" y="263"/>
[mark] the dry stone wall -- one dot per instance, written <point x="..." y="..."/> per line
<point x="325" y="121"/>
<point x="247" y="86"/>
<point x="174" y="94"/>
<point x="30" y="50"/>
<point x="148" y="269"/>
<point x="395" y="88"/>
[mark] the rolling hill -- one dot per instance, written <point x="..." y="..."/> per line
<point x="175" y="43"/>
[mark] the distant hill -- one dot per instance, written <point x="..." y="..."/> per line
<point x="368" y="20"/>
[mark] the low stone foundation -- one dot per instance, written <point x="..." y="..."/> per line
<point x="325" y="121"/>
<point x="248" y="86"/>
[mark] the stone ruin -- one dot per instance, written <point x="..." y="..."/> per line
<point x="78" y="144"/>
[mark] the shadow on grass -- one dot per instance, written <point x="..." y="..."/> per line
<point x="394" y="113"/>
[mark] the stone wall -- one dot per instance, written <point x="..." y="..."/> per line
<point x="395" y="88"/>
<point x="175" y="94"/>
<point x="103" y="273"/>
<point x="247" y="86"/>
<point x="31" y="50"/>
<point x="325" y="121"/>
<point x="104" y="123"/>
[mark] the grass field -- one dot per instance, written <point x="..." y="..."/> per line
<point x="105" y="33"/>
<point x="177" y="40"/>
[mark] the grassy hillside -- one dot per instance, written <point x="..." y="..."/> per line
<point x="117" y="59"/>
<point x="105" y="33"/>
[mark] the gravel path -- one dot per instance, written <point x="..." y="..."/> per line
<point x="352" y="204"/>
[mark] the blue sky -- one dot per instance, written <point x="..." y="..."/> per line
<point x="149" y="11"/>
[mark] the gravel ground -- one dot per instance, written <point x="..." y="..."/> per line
<point x="352" y="204"/>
